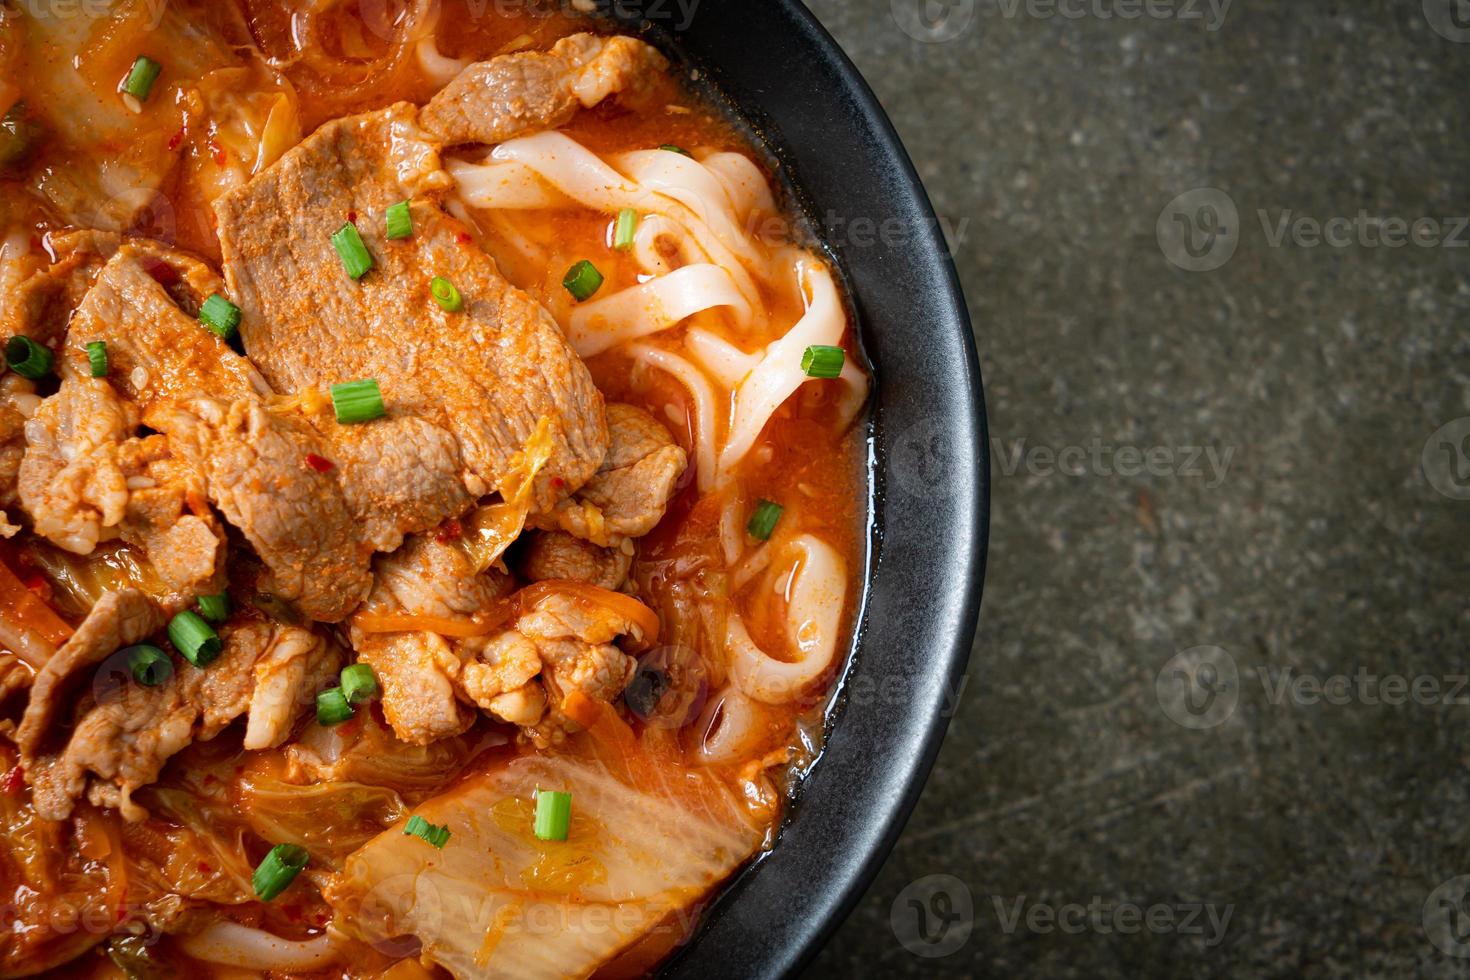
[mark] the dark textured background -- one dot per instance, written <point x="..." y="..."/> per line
<point x="1052" y="144"/>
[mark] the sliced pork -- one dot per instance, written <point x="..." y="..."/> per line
<point x="308" y="324"/>
<point x="494" y="100"/>
<point x="631" y="489"/>
<point x="125" y="734"/>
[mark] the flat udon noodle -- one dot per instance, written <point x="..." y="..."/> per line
<point x="538" y="171"/>
<point x="817" y="592"/>
<point x="700" y="208"/>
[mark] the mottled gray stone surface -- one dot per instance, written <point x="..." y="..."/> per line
<point x="1053" y="144"/>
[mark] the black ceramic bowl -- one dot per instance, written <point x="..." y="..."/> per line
<point x="787" y="79"/>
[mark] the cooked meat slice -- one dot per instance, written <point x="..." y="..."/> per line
<point x="117" y="620"/>
<point x="399" y="474"/>
<point x="296" y="666"/>
<point x="18" y="402"/>
<point x="502" y="677"/>
<point x="429" y="577"/>
<point x="123" y="738"/>
<point x="296" y="517"/>
<point x="562" y="644"/>
<point x="85" y="478"/>
<point x="417" y="672"/>
<point x="71" y="480"/>
<point x="42" y="304"/>
<point x="486" y="374"/>
<point x="632" y="487"/>
<point x="494" y="100"/>
<point x="559" y="555"/>
<point x="157" y="350"/>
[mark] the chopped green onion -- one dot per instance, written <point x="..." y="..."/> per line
<point x="358" y="401"/>
<point x="625" y="229"/>
<point x="220" y="316"/>
<point x="553" y="814"/>
<point x="279" y="869"/>
<point x="446" y="295"/>
<point x="418" y="827"/>
<point x="27" y="358"/>
<point x="215" y="608"/>
<point x="674" y="149"/>
<point x="821" y="361"/>
<point x="359" y="684"/>
<point x="763" y="521"/>
<point x="354" y="254"/>
<point x="400" y="220"/>
<point x="97" y="358"/>
<point x="141" y="78"/>
<point x="195" y="639"/>
<point x="582" y="280"/>
<point x="332" y="707"/>
<point x="150" y="665"/>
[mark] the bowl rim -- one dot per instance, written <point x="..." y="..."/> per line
<point x="730" y="921"/>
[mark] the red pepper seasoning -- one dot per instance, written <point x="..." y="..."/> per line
<point x="451" y="530"/>
<point x="13" y="780"/>
<point x="319" y="464"/>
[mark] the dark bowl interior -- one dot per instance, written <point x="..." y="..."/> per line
<point x="785" y="77"/>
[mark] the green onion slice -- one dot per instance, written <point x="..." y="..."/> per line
<point x="220" y="316"/>
<point x="332" y="707"/>
<point x="195" y="639"/>
<point x="351" y="250"/>
<point x="279" y="869"/>
<point x="400" y="220"/>
<point x="553" y="814"/>
<point x="97" y="358"/>
<point x="625" y="229"/>
<point x="215" y="608"/>
<point x="141" y="77"/>
<point x="150" y="665"/>
<point x="27" y="358"/>
<point x="358" y="401"/>
<point x="821" y="361"/>
<point x="674" y="149"/>
<point x="418" y="827"/>
<point x="763" y="521"/>
<point x="446" y="295"/>
<point x="582" y="280"/>
<point x="359" y="684"/>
